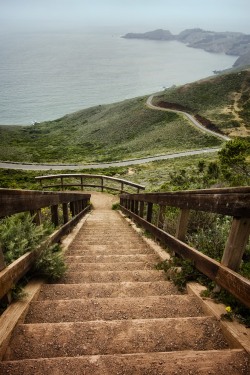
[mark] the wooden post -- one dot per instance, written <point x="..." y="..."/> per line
<point x="161" y="214"/>
<point x="37" y="216"/>
<point x="182" y="224"/>
<point x="136" y="207"/>
<point x="236" y="243"/>
<point x="149" y="212"/>
<point x="2" y="262"/>
<point x="54" y="215"/>
<point x="141" y="209"/>
<point x="81" y="183"/>
<point x="62" y="187"/>
<point x="122" y="187"/>
<point x="65" y="213"/>
<point x="132" y="208"/>
<point x="102" y="184"/>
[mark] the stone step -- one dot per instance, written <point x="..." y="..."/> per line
<point x="50" y="340"/>
<point x="113" y="309"/>
<point x="119" y="266"/>
<point x="107" y="290"/>
<point x="111" y="276"/>
<point x="147" y="258"/>
<point x="224" y="362"/>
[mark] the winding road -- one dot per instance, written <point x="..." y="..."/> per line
<point x="47" y="167"/>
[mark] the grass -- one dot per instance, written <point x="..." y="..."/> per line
<point x="104" y="133"/>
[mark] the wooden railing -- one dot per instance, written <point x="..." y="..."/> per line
<point x="233" y="202"/>
<point x="89" y="180"/>
<point x="16" y="201"/>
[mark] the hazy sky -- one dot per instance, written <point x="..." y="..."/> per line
<point x="130" y="15"/>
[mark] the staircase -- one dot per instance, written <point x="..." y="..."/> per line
<point x="114" y="313"/>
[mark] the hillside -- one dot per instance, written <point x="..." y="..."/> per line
<point x="118" y="131"/>
<point x="223" y="100"/>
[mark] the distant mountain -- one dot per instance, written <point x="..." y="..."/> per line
<point x="230" y="43"/>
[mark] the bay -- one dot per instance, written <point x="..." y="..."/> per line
<point x="45" y="75"/>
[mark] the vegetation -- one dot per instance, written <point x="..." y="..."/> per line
<point x="224" y="100"/>
<point x="51" y="264"/>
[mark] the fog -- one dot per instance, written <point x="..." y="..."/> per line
<point x="125" y="15"/>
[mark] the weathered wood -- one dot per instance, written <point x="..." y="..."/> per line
<point x="235" y="202"/>
<point x="54" y="215"/>
<point x="65" y="213"/>
<point x="2" y="261"/>
<point x="149" y="211"/>
<point x="236" y="243"/>
<point x="141" y="209"/>
<point x="15" y="201"/>
<point x="90" y="176"/>
<point x="161" y="216"/>
<point x="223" y="276"/>
<point x="37" y="216"/>
<point x="182" y="224"/>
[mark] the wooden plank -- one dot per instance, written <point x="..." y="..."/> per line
<point x="2" y="262"/>
<point x="65" y="213"/>
<point x="15" y="201"/>
<point x="226" y="204"/>
<point x="54" y="215"/>
<point x="226" y="278"/>
<point x="161" y="216"/>
<point x="182" y="224"/>
<point x="149" y="212"/>
<point x="236" y="243"/>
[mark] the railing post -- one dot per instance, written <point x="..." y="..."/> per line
<point x="136" y="206"/>
<point x="132" y="207"/>
<point x="54" y="215"/>
<point x="102" y="184"/>
<point x="122" y="186"/>
<point x="37" y="216"/>
<point x="141" y="209"/>
<point x="62" y="187"/>
<point x="161" y="214"/>
<point x="81" y="183"/>
<point x="2" y="262"/>
<point x="182" y="224"/>
<point x="236" y="243"/>
<point x="149" y="212"/>
<point x="72" y="208"/>
<point x="65" y="213"/>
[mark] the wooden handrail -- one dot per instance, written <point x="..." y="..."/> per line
<point x="102" y="178"/>
<point x="16" y="201"/>
<point x="233" y="202"/>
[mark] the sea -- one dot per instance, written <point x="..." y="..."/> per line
<point x="45" y="75"/>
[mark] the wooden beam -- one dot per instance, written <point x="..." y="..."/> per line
<point x="182" y="224"/>
<point x="2" y="261"/>
<point x="223" y="276"/>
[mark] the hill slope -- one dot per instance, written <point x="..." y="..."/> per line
<point x="224" y="100"/>
<point x="103" y="133"/>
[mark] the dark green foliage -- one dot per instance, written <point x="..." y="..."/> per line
<point x="18" y="235"/>
<point x="50" y="264"/>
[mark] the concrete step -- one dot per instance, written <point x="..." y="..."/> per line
<point x="112" y="309"/>
<point x="50" y="340"/>
<point x="119" y="266"/>
<point x="147" y="258"/>
<point x="107" y="290"/>
<point x="224" y="362"/>
<point x="111" y="276"/>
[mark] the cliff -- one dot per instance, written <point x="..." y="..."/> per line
<point x="231" y="43"/>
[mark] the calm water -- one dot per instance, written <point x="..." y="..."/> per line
<point x="44" y="76"/>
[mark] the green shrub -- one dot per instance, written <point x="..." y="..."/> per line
<point x="18" y="235"/>
<point x="50" y="264"/>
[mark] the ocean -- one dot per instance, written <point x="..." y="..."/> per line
<point x="46" y="75"/>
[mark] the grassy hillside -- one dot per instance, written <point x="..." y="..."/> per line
<point x="103" y="133"/>
<point x="223" y="99"/>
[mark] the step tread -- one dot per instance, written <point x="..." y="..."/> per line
<point x="115" y="266"/>
<point x="113" y="309"/>
<point x="110" y="290"/>
<point x="224" y="362"/>
<point x="112" y="276"/>
<point x="115" y="337"/>
<point x="102" y="258"/>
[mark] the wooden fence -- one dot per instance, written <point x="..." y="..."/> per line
<point x="74" y="207"/>
<point x="88" y="180"/>
<point x="234" y="202"/>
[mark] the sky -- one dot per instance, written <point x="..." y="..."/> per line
<point x="129" y="15"/>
